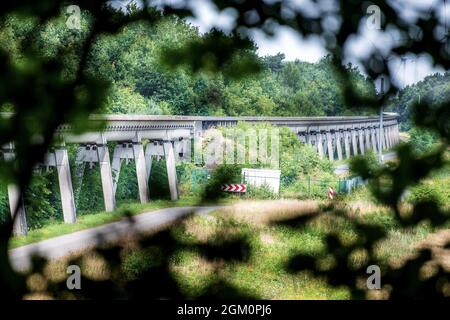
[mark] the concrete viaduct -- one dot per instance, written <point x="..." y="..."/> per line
<point x="169" y="137"/>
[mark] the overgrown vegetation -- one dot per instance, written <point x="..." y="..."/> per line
<point x="268" y="242"/>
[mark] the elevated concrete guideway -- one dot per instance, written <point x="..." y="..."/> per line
<point x="333" y="137"/>
<point x="170" y="138"/>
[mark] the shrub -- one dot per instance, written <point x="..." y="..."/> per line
<point x="261" y="192"/>
<point x="430" y="192"/>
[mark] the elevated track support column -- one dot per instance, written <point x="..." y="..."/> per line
<point x="386" y="137"/>
<point x="141" y="171"/>
<point x="397" y="134"/>
<point x="169" y="154"/>
<point x="383" y="138"/>
<point x="347" y="144"/>
<point x="373" y="139"/>
<point x="330" y="146"/>
<point x="15" y="199"/>
<point x="389" y="136"/>
<point x="106" y="177"/>
<point x="354" y="141"/>
<point x="319" y="144"/>
<point x="338" y="144"/>
<point x="361" y="141"/>
<point x="367" y="139"/>
<point x="65" y="185"/>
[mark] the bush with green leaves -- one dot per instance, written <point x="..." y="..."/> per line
<point x="422" y="141"/>
<point x="260" y="192"/>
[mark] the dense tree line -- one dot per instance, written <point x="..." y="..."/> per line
<point x="131" y="62"/>
<point x="433" y="89"/>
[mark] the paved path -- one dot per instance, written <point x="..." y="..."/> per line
<point x="63" y="245"/>
<point x="344" y="168"/>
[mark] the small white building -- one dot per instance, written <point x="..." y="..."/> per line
<point x="261" y="177"/>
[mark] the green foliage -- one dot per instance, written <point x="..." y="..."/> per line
<point x="222" y="174"/>
<point x="263" y="192"/>
<point x="365" y="165"/>
<point x="4" y="204"/>
<point x="127" y="186"/>
<point x="434" y="189"/>
<point x="433" y="90"/>
<point x="280" y="88"/>
<point x="123" y="100"/>
<point x="90" y="197"/>
<point x="311" y="187"/>
<point x="430" y="192"/>
<point x="422" y="141"/>
<point x="42" y="200"/>
<point x="158" y="184"/>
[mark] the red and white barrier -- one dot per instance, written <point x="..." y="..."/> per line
<point x="234" y="188"/>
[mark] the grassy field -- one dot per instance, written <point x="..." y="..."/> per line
<point x="263" y="275"/>
<point x="95" y="219"/>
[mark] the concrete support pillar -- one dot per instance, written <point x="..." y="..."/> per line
<point x="354" y="142"/>
<point x="106" y="177"/>
<point x="319" y="144"/>
<point x="171" y="169"/>
<point x="397" y="134"/>
<point x="367" y="139"/>
<point x="396" y="137"/>
<point x="141" y="171"/>
<point x="386" y="138"/>
<point x="330" y="146"/>
<point x="347" y="144"/>
<point x="148" y="160"/>
<point x="338" y="144"/>
<point x="389" y="137"/>
<point x="391" y="134"/>
<point x="361" y="141"/>
<point x="116" y="165"/>
<point x="79" y="173"/>
<point x="373" y="139"/>
<point x="382" y="137"/>
<point x="15" y="199"/>
<point x="20" y="227"/>
<point x="65" y="185"/>
<point x="308" y="138"/>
